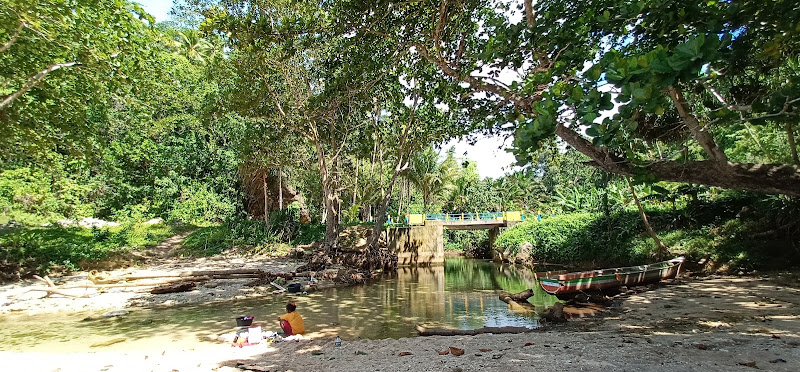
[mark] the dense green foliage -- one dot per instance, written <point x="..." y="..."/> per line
<point x="734" y="232"/>
<point x="252" y="236"/>
<point x="578" y="237"/>
<point x="209" y="119"/>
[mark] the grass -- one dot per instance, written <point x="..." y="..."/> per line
<point x="251" y="237"/>
<point x="27" y="250"/>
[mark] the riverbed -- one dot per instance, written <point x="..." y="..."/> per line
<point x="462" y="294"/>
<point x="691" y="324"/>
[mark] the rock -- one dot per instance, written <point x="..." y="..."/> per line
<point x="115" y="313"/>
<point x="89" y="222"/>
<point x="555" y="313"/>
<point x="456" y="351"/>
<point x="525" y="252"/>
<point x="154" y="221"/>
<point x="66" y="222"/>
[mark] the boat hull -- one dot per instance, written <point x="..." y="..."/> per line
<point x="608" y="278"/>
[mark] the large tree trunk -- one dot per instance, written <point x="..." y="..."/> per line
<point x="767" y="178"/>
<point x="280" y="188"/>
<point x="792" y="144"/>
<point x="383" y="207"/>
<point x="331" y="199"/>
<point x="266" y="200"/>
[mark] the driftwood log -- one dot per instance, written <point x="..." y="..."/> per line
<point x="139" y="284"/>
<point x="52" y="289"/>
<point x="173" y="288"/>
<point x="555" y="313"/>
<point x="213" y="274"/>
<point x="518" y="301"/>
<point x="470" y="332"/>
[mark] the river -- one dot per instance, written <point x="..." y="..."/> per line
<point x="461" y="294"/>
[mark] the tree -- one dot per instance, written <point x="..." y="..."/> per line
<point x="404" y="131"/>
<point x="298" y="79"/>
<point x="60" y="62"/>
<point x="678" y="70"/>
<point x="195" y="48"/>
<point x="430" y="176"/>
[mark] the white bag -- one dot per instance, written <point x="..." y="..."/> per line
<point x="254" y="335"/>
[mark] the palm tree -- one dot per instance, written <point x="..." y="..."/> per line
<point x="430" y="177"/>
<point x="192" y="46"/>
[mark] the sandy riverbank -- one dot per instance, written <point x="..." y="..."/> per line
<point x="696" y="324"/>
<point x="21" y="297"/>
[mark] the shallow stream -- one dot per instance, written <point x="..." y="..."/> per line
<point x="461" y="294"/>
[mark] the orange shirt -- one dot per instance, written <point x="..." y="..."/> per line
<point x="296" y="321"/>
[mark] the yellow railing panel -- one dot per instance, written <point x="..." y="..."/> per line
<point x="416" y="219"/>
<point x="513" y="216"/>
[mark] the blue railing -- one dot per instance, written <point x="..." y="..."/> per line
<point x="466" y="217"/>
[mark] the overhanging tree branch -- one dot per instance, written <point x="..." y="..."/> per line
<point x="32" y="83"/>
<point x="769" y="178"/>
<point x="700" y="134"/>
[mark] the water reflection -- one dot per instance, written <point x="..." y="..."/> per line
<point x="461" y="294"/>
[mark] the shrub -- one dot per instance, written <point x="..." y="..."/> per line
<point x="578" y="237"/>
<point x="253" y="235"/>
<point x="35" y="191"/>
<point x="199" y="205"/>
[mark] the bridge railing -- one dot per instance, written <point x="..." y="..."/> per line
<point x="419" y="219"/>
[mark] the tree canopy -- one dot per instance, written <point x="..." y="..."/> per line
<point x="686" y="79"/>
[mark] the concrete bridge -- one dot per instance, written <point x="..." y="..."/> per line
<point x="422" y="242"/>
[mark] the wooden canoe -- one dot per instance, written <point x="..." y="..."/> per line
<point x="608" y="278"/>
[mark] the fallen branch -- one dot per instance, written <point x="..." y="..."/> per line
<point x="52" y="289"/>
<point x="213" y="274"/>
<point x="149" y="284"/>
<point x="173" y="288"/>
<point x="518" y="301"/>
<point x="241" y="273"/>
<point x="470" y="332"/>
<point x="519" y="297"/>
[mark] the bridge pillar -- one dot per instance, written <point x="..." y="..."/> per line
<point x="493" y="234"/>
<point x="418" y="245"/>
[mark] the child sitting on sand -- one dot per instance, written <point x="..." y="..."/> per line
<point x="292" y="322"/>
